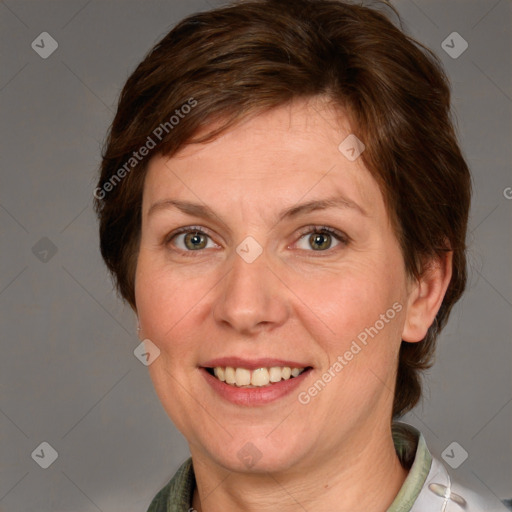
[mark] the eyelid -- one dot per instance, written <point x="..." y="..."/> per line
<point x="318" y="228"/>
<point x="342" y="237"/>
<point x="185" y="230"/>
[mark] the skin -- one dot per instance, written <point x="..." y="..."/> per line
<point x="293" y="302"/>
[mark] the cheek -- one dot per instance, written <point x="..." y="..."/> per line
<point x="361" y="312"/>
<point x="169" y="304"/>
<point x="352" y="299"/>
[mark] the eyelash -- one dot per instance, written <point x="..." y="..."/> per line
<point x="312" y="229"/>
<point x="338" y="235"/>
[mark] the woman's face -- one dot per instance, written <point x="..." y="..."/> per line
<point x="248" y="284"/>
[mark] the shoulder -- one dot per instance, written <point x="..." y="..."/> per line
<point x="176" y="495"/>
<point x="159" y="502"/>
<point x="442" y="492"/>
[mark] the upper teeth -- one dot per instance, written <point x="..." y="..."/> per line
<point x="258" y="377"/>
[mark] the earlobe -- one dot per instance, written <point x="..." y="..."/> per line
<point x="426" y="296"/>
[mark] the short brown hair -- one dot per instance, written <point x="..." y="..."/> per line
<point x="255" y="55"/>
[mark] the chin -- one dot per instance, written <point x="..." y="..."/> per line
<point x="253" y="454"/>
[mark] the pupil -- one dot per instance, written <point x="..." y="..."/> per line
<point x="321" y="240"/>
<point x="195" y="240"/>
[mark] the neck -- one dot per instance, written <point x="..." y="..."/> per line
<point x="365" y="477"/>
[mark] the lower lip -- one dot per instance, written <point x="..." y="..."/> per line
<point x="254" y="396"/>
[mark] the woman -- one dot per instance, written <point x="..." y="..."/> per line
<point x="284" y="205"/>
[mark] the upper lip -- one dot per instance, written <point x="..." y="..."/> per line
<point x="251" y="364"/>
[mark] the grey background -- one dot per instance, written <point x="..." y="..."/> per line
<point x="68" y="375"/>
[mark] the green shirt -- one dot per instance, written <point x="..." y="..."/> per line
<point x="410" y="447"/>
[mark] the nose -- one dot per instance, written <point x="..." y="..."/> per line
<point x="251" y="297"/>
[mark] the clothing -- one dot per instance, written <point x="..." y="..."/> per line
<point x="427" y="488"/>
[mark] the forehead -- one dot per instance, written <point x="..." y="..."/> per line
<point x="270" y="159"/>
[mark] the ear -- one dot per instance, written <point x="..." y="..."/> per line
<point x="426" y="296"/>
<point x="139" y="329"/>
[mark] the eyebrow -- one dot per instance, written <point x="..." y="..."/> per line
<point x="206" y="212"/>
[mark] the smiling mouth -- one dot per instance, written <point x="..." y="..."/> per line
<point x="260" y="377"/>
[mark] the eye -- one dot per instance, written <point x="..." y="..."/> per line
<point x="321" y="238"/>
<point x="190" y="239"/>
